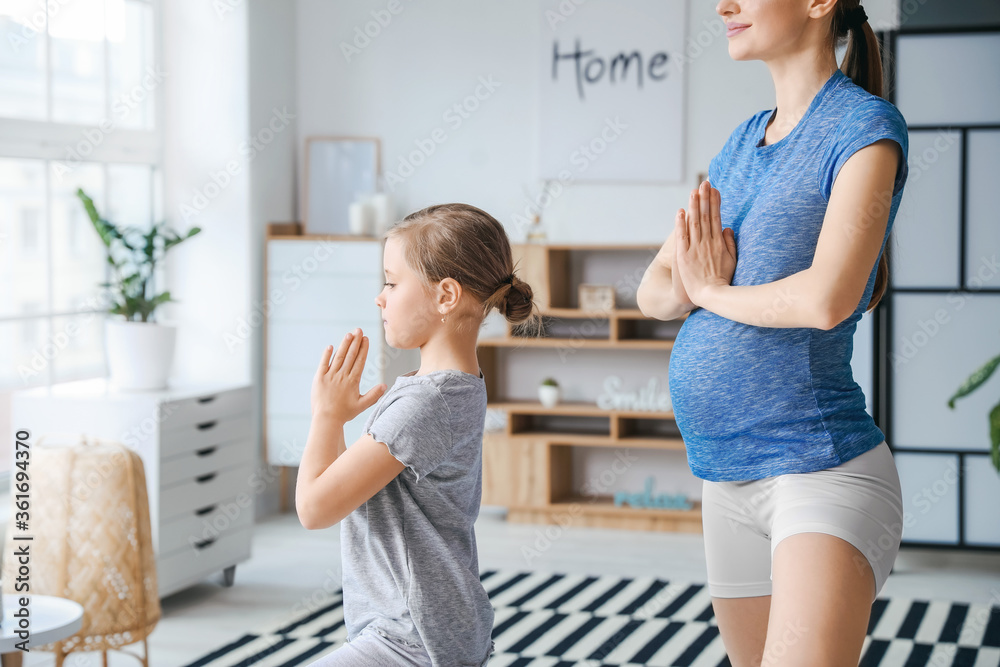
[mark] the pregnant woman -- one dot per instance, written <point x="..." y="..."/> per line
<point x="776" y="259"/>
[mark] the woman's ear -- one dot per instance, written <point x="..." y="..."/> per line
<point x="820" y="8"/>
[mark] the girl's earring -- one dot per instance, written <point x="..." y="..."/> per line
<point x="442" y="319"/>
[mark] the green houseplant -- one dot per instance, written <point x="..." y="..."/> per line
<point x="139" y="349"/>
<point x="973" y="382"/>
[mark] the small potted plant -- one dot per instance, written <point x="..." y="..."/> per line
<point x="548" y="392"/>
<point x="139" y="350"/>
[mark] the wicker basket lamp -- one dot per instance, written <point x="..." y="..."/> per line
<point x="89" y="516"/>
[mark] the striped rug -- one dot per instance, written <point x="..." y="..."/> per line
<point x="546" y="619"/>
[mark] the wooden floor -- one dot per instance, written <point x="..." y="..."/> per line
<point x="290" y="564"/>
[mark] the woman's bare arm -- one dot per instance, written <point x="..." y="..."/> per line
<point x="658" y="295"/>
<point x="827" y="292"/>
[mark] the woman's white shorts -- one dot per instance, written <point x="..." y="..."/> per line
<point x="859" y="501"/>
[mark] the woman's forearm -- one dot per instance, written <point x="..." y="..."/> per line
<point x="655" y="294"/>
<point x="795" y="301"/>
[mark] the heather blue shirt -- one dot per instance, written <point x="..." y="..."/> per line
<point x="754" y="402"/>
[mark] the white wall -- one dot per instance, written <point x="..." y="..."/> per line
<point x="431" y="55"/>
<point x="230" y="78"/>
<point x="272" y="92"/>
<point x="205" y="121"/>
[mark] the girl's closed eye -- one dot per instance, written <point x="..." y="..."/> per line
<point x="388" y="284"/>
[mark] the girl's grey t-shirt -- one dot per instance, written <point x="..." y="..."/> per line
<point x="410" y="561"/>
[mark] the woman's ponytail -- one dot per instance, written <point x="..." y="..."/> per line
<point x="863" y="64"/>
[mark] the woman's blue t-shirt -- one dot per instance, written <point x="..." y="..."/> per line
<point x="754" y="402"/>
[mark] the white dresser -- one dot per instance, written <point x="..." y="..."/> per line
<point x="318" y="289"/>
<point x="197" y="453"/>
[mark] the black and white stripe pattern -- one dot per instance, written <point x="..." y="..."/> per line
<point x="546" y="619"/>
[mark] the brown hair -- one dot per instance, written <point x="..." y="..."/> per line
<point x="863" y="64"/>
<point x="467" y="244"/>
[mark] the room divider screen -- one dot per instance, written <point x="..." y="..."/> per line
<point x="940" y="318"/>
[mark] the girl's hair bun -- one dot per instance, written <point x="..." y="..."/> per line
<point x="517" y="303"/>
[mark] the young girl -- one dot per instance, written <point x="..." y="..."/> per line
<point x="408" y="492"/>
<point x="801" y="501"/>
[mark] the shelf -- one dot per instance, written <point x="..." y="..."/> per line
<point x="547" y="424"/>
<point x="619" y="313"/>
<point x="623" y="328"/>
<point x="606" y="505"/>
<point x="644" y="427"/>
<point x="649" y="443"/>
<point x="593" y="426"/>
<point x="529" y="465"/>
<point x="582" y="408"/>
<point x="586" y="440"/>
<point x="593" y="343"/>
<point x="601" y="513"/>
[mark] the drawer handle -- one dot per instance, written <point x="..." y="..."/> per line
<point x="205" y="510"/>
<point x="205" y="478"/>
<point x="204" y="543"/>
<point x="206" y="399"/>
<point x="206" y="425"/>
<point x="206" y="451"/>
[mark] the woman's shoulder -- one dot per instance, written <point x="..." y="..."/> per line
<point x="857" y="107"/>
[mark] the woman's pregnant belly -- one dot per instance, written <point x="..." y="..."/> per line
<point x="742" y="395"/>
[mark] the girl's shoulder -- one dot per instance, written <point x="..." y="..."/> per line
<point x="461" y="391"/>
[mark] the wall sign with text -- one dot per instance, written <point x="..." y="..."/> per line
<point x="612" y="90"/>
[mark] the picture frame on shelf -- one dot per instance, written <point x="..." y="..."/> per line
<point x="340" y="171"/>
<point x="596" y="297"/>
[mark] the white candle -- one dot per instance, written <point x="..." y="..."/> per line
<point x="360" y="216"/>
<point x="382" y="207"/>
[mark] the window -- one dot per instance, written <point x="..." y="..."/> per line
<point x="78" y="61"/>
<point x="78" y="87"/>
<point x="29" y="230"/>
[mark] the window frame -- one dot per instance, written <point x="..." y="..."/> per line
<point x="51" y="141"/>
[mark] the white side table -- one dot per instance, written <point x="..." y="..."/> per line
<point x="51" y="619"/>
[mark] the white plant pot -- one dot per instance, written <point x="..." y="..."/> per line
<point x="139" y="354"/>
<point x="548" y="395"/>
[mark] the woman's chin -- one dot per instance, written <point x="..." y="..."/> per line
<point x="738" y="52"/>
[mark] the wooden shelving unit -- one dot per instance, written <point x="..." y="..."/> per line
<point x="528" y="465"/>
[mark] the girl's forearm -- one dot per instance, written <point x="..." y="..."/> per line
<point x="323" y="446"/>
<point x="795" y="301"/>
